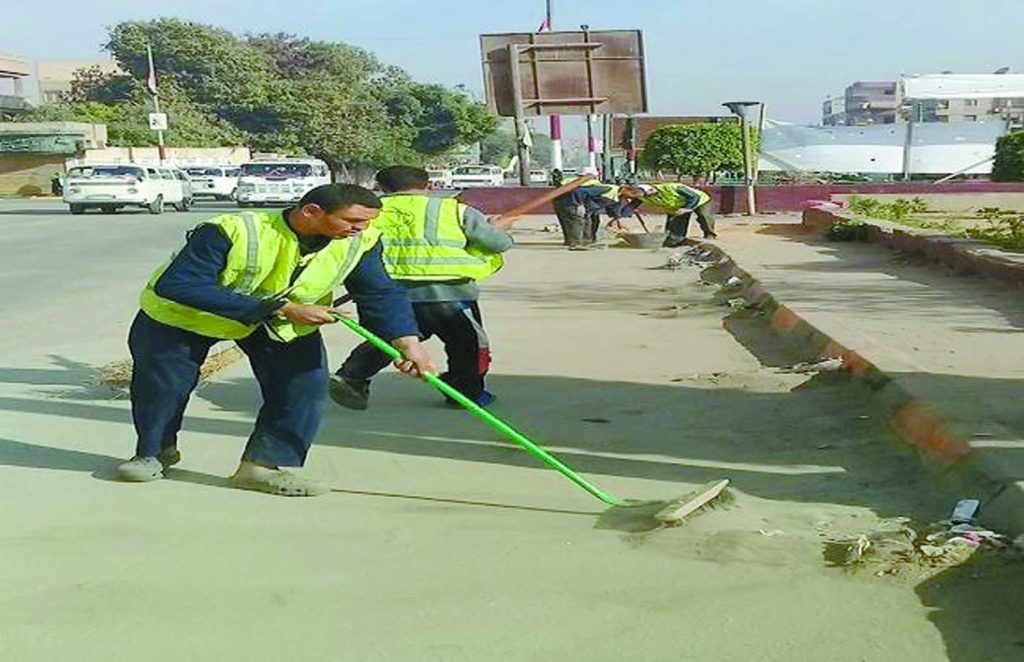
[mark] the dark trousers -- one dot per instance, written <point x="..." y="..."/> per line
<point x="678" y="225"/>
<point x="591" y="226"/>
<point x="459" y="326"/>
<point x="570" y="221"/>
<point x="292" y="378"/>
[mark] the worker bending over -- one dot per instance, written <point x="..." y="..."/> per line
<point x="438" y="249"/>
<point x="679" y="202"/>
<point x="264" y="280"/>
<point x="579" y="211"/>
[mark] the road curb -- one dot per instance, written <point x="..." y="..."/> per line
<point x="964" y="256"/>
<point x="945" y="449"/>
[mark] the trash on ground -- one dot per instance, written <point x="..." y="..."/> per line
<point x="828" y="365"/>
<point x="907" y="552"/>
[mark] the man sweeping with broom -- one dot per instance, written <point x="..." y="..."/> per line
<point x="264" y="280"/>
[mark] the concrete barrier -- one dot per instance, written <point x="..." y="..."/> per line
<point x="964" y="256"/>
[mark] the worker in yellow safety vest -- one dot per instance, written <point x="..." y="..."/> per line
<point x="264" y="280"/>
<point x="438" y="249"/>
<point x="679" y="202"/>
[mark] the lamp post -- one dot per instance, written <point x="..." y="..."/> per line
<point x="747" y="111"/>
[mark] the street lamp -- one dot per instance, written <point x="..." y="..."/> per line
<point x="747" y="110"/>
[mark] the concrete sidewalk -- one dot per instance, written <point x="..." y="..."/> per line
<point x="946" y="348"/>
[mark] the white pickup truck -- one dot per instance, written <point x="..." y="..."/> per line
<point x="115" y="186"/>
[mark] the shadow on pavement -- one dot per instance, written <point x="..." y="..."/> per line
<point x="824" y="441"/>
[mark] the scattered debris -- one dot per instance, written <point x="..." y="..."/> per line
<point x="737" y="304"/>
<point x="828" y="365"/>
<point x="119" y="373"/>
<point x="596" y="420"/>
<point x="905" y="552"/>
<point x="771" y="533"/>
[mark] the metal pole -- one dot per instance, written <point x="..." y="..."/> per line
<point x="591" y="141"/>
<point x="555" y="120"/>
<point x="908" y="146"/>
<point x="517" y="100"/>
<point x="606" y="147"/>
<point x="748" y="165"/>
<point x="631" y="133"/>
<point x="162" y="151"/>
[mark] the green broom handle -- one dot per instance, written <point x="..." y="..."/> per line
<point x="487" y="417"/>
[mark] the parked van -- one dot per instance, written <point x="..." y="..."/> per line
<point x="440" y="178"/>
<point x="279" y="180"/>
<point x="217" y="182"/>
<point x="115" y="186"/>
<point x="474" y="176"/>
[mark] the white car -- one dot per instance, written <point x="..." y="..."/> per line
<point x="475" y="176"/>
<point x="440" y="178"/>
<point x="217" y="182"/>
<point x="539" y="176"/>
<point x="115" y="186"/>
<point x="279" y="180"/>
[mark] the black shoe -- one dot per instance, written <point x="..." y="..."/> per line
<point x="350" y="393"/>
<point x="673" y="243"/>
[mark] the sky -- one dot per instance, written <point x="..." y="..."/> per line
<point x="790" y="54"/>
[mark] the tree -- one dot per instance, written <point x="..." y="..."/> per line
<point x="499" y="147"/>
<point x="1008" y="165"/>
<point x="696" y="150"/>
<point x="276" y="92"/>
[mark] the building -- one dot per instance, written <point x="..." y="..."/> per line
<point x="31" y="152"/>
<point x="55" y="76"/>
<point x="872" y="102"/>
<point x="13" y="72"/>
<point x="833" y="111"/>
<point x="880" y="102"/>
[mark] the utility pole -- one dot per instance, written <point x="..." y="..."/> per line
<point x="151" y="84"/>
<point x="744" y="110"/>
<point x="555" y="120"/>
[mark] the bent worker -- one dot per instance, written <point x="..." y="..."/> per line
<point x="438" y="249"/>
<point x="264" y="280"/>
<point x="680" y="202"/>
<point x="579" y="211"/>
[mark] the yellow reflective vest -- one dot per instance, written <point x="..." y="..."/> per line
<point x="611" y="194"/>
<point x="667" y="197"/>
<point x="265" y="262"/>
<point x="424" y="239"/>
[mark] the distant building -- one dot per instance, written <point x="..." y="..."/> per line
<point x="880" y="102"/>
<point x="13" y="72"/>
<point x="55" y="76"/>
<point x="833" y="111"/>
<point x="872" y="102"/>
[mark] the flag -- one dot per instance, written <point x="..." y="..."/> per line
<point x="151" y="78"/>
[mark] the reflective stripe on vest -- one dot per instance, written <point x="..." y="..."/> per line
<point x="424" y="240"/>
<point x="265" y="262"/>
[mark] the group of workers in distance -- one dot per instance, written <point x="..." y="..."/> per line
<point x="579" y="211"/>
<point x="410" y="260"/>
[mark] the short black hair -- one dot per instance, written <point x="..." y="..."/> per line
<point x="332" y="197"/>
<point x="402" y="178"/>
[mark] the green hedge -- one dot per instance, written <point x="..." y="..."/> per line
<point x="1009" y="163"/>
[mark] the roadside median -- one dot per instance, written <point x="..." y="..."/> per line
<point x="936" y="349"/>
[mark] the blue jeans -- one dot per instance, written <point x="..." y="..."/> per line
<point x="292" y="378"/>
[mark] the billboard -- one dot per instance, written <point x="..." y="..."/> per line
<point x="564" y="73"/>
